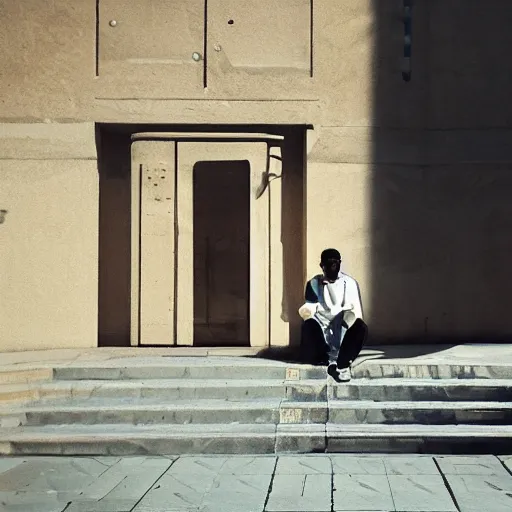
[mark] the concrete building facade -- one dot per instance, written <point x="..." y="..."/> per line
<point x="171" y="170"/>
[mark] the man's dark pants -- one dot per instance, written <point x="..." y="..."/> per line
<point x="315" y="351"/>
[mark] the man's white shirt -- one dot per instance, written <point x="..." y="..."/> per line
<point x="335" y="306"/>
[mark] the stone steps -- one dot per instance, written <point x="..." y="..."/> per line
<point x="123" y="440"/>
<point x="247" y="405"/>
<point x="374" y="369"/>
<point x="192" y="368"/>
<point x="415" y="389"/>
<point x="423" y="413"/>
<point x="270" y="410"/>
<point x="166" y="389"/>
<point x="236" y="389"/>
<point x="253" y="368"/>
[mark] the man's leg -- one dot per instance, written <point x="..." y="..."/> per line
<point x="313" y="346"/>
<point x="352" y="343"/>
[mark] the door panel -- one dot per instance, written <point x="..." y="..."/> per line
<point x="153" y="254"/>
<point x="242" y="157"/>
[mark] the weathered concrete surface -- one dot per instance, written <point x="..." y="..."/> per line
<point x="314" y="483"/>
<point x="49" y="292"/>
<point x="118" y="402"/>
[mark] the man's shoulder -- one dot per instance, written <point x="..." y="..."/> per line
<point x="348" y="279"/>
<point x="315" y="281"/>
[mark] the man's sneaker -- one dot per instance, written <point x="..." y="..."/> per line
<point x="332" y="370"/>
<point x="344" y="374"/>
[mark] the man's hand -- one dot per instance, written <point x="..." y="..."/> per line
<point x="307" y="310"/>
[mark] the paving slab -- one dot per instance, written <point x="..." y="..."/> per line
<point x="303" y="465"/>
<point x="506" y="460"/>
<point x="234" y="493"/>
<point x="136" y="484"/>
<point x="482" y="493"/>
<point x="177" y="493"/>
<point x="8" y="464"/>
<point x="116" y="473"/>
<point x="471" y="465"/>
<point x="201" y="466"/>
<point x="421" y="493"/>
<point x="101" y="506"/>
<point x="407" y="465"/>
<point x="261" y="465"/>
<point x="357" y="465"/>
<point x="300" y="493"/>
<point x="210" y="490"/>
<point x="234" y="465"/>
<point x="362" y="492"/>
<point x="52" y="474"/>
<point x="32" y="502"/>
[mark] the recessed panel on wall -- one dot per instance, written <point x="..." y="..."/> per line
<point x="150" y="48"/>
<point x="260" y="48"/>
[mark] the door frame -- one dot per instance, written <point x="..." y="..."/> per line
<point x="266" y="324"/>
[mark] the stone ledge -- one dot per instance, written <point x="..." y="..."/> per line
<point x="47" y="141"/>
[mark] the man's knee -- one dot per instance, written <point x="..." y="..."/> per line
<point x="311" y="327"/>
<point x="360" y="325"/>
<point x="313" y="345"/>
<point x="359" y="330"/>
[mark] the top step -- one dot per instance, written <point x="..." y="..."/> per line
<point x="406" y="370"/>
<point x="191" y="368"/>
<point x="212" y="368"/>
<point x="466" y="361"/>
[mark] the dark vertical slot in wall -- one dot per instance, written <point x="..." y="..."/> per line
<point x="97" y="49"/>
<point x="139" y="270"/>
<point x="176" y="242"/>
<point x="205" y="46"/>
<point x="293" y="225"/>
<point x="311" y="37"/>
<point x="114" y="293"/>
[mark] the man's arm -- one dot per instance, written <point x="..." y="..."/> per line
<point x="310" y="295"/>
<point x="354" y="297"/>
<point x="309" y="308"/>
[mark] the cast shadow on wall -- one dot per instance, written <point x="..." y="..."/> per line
<point x="441" y="213"/>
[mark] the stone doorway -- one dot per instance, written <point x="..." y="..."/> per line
<point x="187" y="298"/>
<point x="201" y="238"/>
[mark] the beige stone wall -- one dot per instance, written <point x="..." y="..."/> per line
<point x="414" y="175"/>
<point x="49" y="238"/>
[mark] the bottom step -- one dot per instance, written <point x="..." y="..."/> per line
<point x="124" y="440"/>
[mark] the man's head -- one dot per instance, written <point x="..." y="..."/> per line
<point x="330" y="262"/>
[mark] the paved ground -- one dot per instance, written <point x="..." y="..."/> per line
<point x="312" y="483"/>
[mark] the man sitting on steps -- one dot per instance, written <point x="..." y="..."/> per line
<point x="333" y="332"/>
